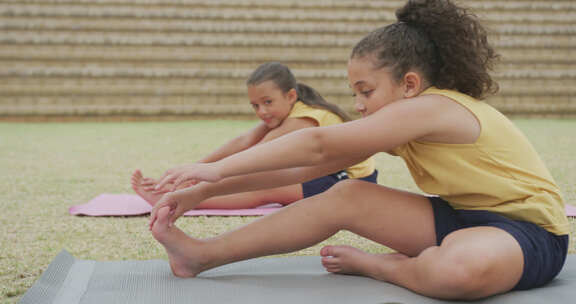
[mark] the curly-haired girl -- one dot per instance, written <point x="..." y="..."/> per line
<point x="494" y="219"/>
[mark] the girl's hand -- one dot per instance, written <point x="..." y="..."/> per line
<point x="150" y="184"/>
<point x="178" y="202"/>
<point x="147" y="182"/>
<point x="193" y="173"/>
<point x="169" y="200"/>
<point x="176" y="171"/>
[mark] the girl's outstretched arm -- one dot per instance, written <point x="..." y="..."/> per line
<point x="186" y="199"/>
<point x="258" y="135"/>
<point x="429" y="118"/>
<point x="391" y="126"/>
<point x="237" y="144"/>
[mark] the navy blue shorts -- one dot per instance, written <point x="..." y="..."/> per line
<point x="324" y="183"/>
<point x="544" y="252"/>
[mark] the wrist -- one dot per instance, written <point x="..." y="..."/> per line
<point x="190" y="197"/>
<point x="218" y="172"/>
<point x="205" y="190"/>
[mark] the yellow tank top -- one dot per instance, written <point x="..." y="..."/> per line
<point x="326" y="118"/>
<point x="501" y="172"/>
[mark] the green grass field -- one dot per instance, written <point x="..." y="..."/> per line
<point x="47" y="167"/>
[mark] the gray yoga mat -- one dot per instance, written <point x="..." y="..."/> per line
<point x="264" y="280"/>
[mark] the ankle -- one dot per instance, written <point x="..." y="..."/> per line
<point x="206" y="255"/>
<point x="216" y="252"/>
<point x="385" y="266"/>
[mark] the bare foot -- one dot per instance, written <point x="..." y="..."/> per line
<point x="140" y="188"/>
<point x="149" y="183"/>
<point x="185" y="254"/>
<point x="350" y="260"/>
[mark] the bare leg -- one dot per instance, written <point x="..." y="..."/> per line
<point x="470" y="264"/>
<point x="282" y="195"/>
<point x="310" y="221"/>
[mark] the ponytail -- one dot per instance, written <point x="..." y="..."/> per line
<point x="312" y="98"/>
<point x="444" y="42"/>
<point x="285" y="81"/>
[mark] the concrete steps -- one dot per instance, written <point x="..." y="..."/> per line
<point x="154" y="57"/>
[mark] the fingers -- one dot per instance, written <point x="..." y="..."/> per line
<point x="167" y="200"/>
<point x="171" y="218"/>
<point x="148" y="182"/>
<point x="175" y="214"/>
<point x="164" y="176"/>
<point x="184" y="181"/>
<point x="153" y="217"/>
<point x="179" y="181"/>
<point x="164" y="181"/>
<point x="152" y="188"/>
<point x="164" y="201"/>
<point x="184" y="184"/>
<point x="161" y="191"/>
<point x="169" y="176"/>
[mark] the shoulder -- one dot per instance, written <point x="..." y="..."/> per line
<point x="299" y="108"/>
<point x="424" y="117"/>
<point x="301" y="116"/>
<point x="289" y="125"/>
<point x="413" y="110"/>
<point x="294" y="123"/>
<point x="432" y="117"/>
<point x="322" y="117"/>
<point x="302" y="109"/>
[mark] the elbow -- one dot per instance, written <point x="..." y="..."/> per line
<point x="318" y="153"/>
<point x="243" y="142"/>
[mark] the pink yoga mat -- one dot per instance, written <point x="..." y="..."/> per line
<point x="130" y="204"/>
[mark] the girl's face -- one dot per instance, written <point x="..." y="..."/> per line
<point x="373" y="89"/>
<point x="270" y="104"/>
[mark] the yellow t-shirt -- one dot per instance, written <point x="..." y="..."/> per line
<point x="501" y="172"/>
<point x="326" y="118"/>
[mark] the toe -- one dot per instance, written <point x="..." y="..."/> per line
<point x="136" y="177"/>
<point x="137" y="174"/>
<point x="334" y="269"/>
<point x="326" y="251"/>
<point x="329" y="261"/>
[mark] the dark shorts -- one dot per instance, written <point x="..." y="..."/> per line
<point x="324" y="183"/>
<point x="544" y="252"/>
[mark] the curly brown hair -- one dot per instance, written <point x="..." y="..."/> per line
<point x="443" y="41"/>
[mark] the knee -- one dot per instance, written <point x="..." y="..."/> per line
<point x="340" y="195"/>
<point x="464" y="276"/>
<point x="345" y="190"/>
